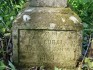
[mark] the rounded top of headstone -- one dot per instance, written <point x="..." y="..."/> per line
<point x="48" y="18"/>
<point x="48" y="3"/>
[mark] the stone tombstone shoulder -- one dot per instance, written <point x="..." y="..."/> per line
<point x="48" y="3"/>
<point x="49" y="36"/>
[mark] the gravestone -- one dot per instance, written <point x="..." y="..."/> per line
<point x="46" y="33"/>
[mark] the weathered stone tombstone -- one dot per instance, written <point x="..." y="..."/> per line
<point x="47" y="34"/>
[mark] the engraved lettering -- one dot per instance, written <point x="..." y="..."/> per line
<point x="45" y="46"/>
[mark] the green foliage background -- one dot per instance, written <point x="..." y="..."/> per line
<point x="8" y="11"/>
<point x="84" y="8"/>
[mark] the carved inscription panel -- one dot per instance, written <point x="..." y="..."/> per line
<point x="51" y="47"/>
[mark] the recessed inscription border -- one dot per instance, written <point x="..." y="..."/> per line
<point x="52" y="41"/>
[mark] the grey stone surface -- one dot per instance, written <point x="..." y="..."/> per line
<point x="47" y="36"/>
<point x="48" y="3"/>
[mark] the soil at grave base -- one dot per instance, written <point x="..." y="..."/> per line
<point x="45" y="68"/>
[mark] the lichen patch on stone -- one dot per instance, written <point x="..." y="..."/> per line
<point x="39" y="10"/>
<point x="39" y="17"/>
<point x="50" y="11"/>
<point x="29" y="10"/>
<point x="26" y="18"/>
<point x="52" y="25"/>
<point x="63" y="19"/>
<point x="15" y="21"/>
<point x="74" y="19"/>
<point x="19" y="15"/>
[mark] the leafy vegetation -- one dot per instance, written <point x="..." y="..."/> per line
<point x="5" y="67"/>
<point x="88" y="63"/>
<point x="84" y="8"/>
<point x="8" y="11"/>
